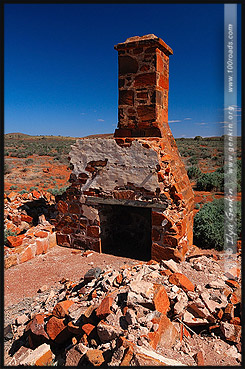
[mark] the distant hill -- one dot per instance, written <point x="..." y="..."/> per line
<point x="23" y="136"/>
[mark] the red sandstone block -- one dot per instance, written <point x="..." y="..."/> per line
<point x="126" y="97"/>
<point x="57" y="330"/>
<point x="88" y="329"/>
<point x="63" y="239"/>
<point x="74" y="208"/>
<point x="165" y="272"/>
<point x="146" y="112"/>
<point x="62" y="207"/>
<point x="26" y="218"/>
<point x="159" y="66"/>
<point x="199" y="359"/>
<point x="159" y="253"/>
<point x="27" y="254"/>
<point x="155" y="235"/>
<point x="232" y="283"/>
<point x="181" y="281"/>
<point x="41" y="234"/>
<point x="160" y="299"/>
<point x="61" y="309"/>
<point x="36" y="194"/>
<point x="178" y="196"/>
<point x="93" y="231"/>
<point x="166" y="334"/>
<point x="104" y="308"/>
<point x="15" y="241"/>
<point x="42" y="246"/>
<point x="123" y="132"/>
<point x="145" y="79"/>
<point x="171" y="241"/>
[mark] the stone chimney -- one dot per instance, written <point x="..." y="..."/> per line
<point x="130" y="195"/>
<point x="143" y="81"/>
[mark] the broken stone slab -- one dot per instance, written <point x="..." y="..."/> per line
<point x="19" y="356"/>
<point x="22" y="319"/>
<point x="181" y="304"/>
<point x="217" y="284"/>
<point x="61" y="309"/>
<point x="107" y="332"/>
<point x="94" y="357"/>
<point x="75" y="312"/>
<point x="182" y="281"/>
<point x="166" y="334"/>
<point x="75" y="354"/>
<point x="41" y="356"/>
<point x="190" y="320"/>
<point x="231" y="332"/>
<point x="145" y="289"/>
<point x="91" y="274"/>
<point x="146" y="357"/>
<point x="200" y="311"/>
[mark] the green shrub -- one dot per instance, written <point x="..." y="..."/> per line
<point x="23" y="191"/>
<point x="57" y="191"/>
<point x="7" y="233"/>
<point x="29" y="161"/>
<point x="208" y="228"/>
<point x="33" y="188"/>
<point x="197" y="206"/>
<point x="7" y="169"/>
<point x="210" y="181"/>
<point x="193" y="160"/>
<point x="193" y="172"/>
<point x="13" y="187"/>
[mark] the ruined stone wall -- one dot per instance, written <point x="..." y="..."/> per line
<point x="130" y="169"/>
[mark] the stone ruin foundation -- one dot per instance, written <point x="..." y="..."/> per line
<point x="130" y="195"/>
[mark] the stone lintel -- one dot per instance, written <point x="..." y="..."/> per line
<point x="136" y="203"/>
<point x="147" y="40"/>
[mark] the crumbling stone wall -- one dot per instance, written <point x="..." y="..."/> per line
<point x="139" y="167"/>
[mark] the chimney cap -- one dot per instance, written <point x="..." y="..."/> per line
<point x="150" y="39"/>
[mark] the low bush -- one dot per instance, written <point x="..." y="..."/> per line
<point x="208" y="230"/>
<point x="57" y="191"/>
<point x="7" y="169"/>
<point x="193" y="172"/>
<point x="29" y="161"/>
<point x="7" y="233"/>
<point x="13" y="187"/>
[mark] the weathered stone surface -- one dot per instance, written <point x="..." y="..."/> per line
<point x="231" y="332"/>
<point x="132" y="164"/>
<point x="57" y="330"/>
<point x="36" y="329"/>
<point x="95" y="357"/>
<point x="91" y="274"/>
<point x="41" y="356"/>
<point x="199" y="359"/>
<point x="146" y="357"/>
<point x="166" y="334"/>
<point x="182" y="281"/>
<point x="75" y="354"/>
<point x="104" y="308"/>
<point x="107" y="332"/>
<point x="61" y="309"/>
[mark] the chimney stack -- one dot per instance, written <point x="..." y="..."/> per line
<point x="143" y="81"/>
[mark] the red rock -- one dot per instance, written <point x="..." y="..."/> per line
<point x="36" y="194"/>
<point x="15" y="241"/>
<point x="178" y="196"/>
<point x="199" y="359"/>
<point x="233" y="284"/>
<point x="145" y="79"/>
<point x="236" y="321"/>
<point x="27" y="254"/>
<point x="233" y="273"/>
<point x="62" y="207"/>
<point x="36" y="330"/>
<point x="160" y="299"/>
<point x="166" y="334"/>
<point x="159" y="253"/>
<point x="75" y="329"/>
<point x="95" y="357"/>
<point x="57" y="330"/>
<point x="234" y="299"/>
<point x="127" y="357"/>
<point x="42" y="246"/>
<point x="41" y="234"/>
<point x="104" y="308"/>
<point x="93" y="231"/>
<point x="181" y="281"/>
<point x="61" y="308"/>
<point x="165" y="272"/>
<point x="12" y="196"/>
<point x="26" y="218"/>
<point x="88" y="328"/>
<point x="231" y="332"/>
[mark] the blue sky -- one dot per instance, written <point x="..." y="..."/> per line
<point x="61" y="66"/>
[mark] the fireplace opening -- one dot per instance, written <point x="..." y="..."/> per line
<point x="126" y="231"/>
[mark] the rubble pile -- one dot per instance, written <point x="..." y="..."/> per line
<point x="144" y="314"/>
<point x="25" y="218"/>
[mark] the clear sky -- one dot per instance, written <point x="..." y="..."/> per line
<point x="61" y="66"/>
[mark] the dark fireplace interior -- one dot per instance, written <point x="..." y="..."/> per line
<point x="126" y="231"/>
